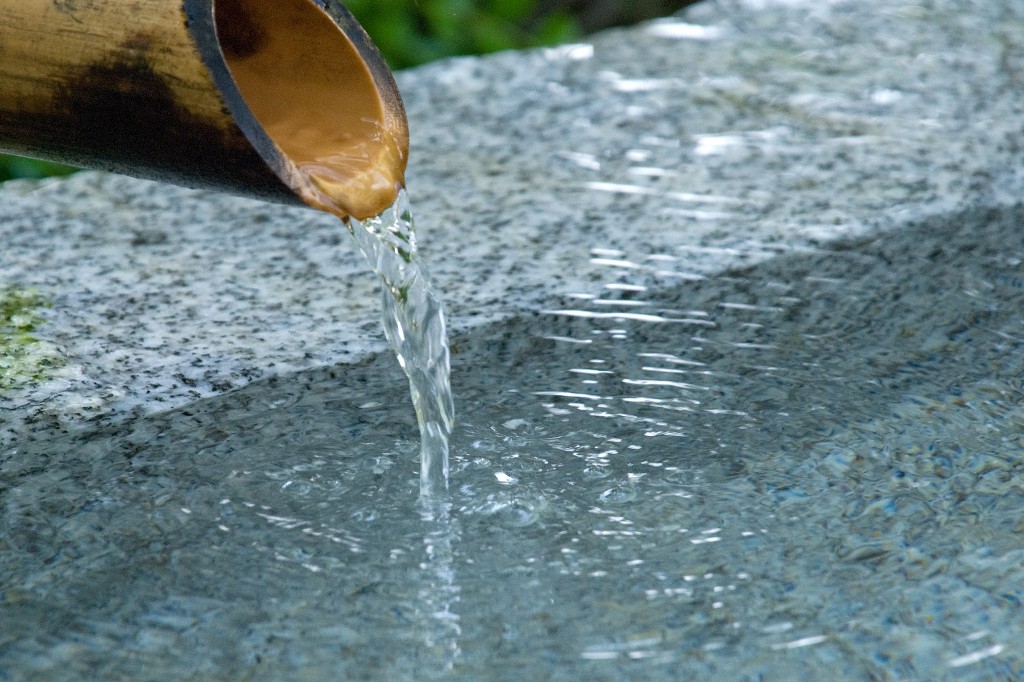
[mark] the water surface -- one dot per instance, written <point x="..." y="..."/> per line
<point x="807" y="469"/>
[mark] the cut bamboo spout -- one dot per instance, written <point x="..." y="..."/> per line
<point x="285" y="100"/>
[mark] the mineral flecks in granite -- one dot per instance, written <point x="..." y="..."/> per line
<point x="732" y="134"/>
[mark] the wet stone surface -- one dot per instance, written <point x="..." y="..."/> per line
<point x="805" y="469"/>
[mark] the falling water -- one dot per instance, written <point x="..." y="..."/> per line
<point x="414" y="324"/>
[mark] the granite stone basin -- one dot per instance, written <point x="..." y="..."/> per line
<point x="715" y="171"/>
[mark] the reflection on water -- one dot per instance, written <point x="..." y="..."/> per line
<point x="809" y="465"/>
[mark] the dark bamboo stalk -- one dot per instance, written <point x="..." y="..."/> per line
<point x="179" y="91"/>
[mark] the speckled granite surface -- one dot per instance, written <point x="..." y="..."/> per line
<point x="736" y="133"/>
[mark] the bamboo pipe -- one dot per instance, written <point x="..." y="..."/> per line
<point x="285" y="100"/>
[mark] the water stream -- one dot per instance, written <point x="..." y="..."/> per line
<point x="415" y="327"/>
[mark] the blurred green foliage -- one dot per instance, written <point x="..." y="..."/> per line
<point x="411" y="32"/>
<point x="18" y="167"/>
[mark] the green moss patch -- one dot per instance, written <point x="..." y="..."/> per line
<point x="23" y="358"/>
